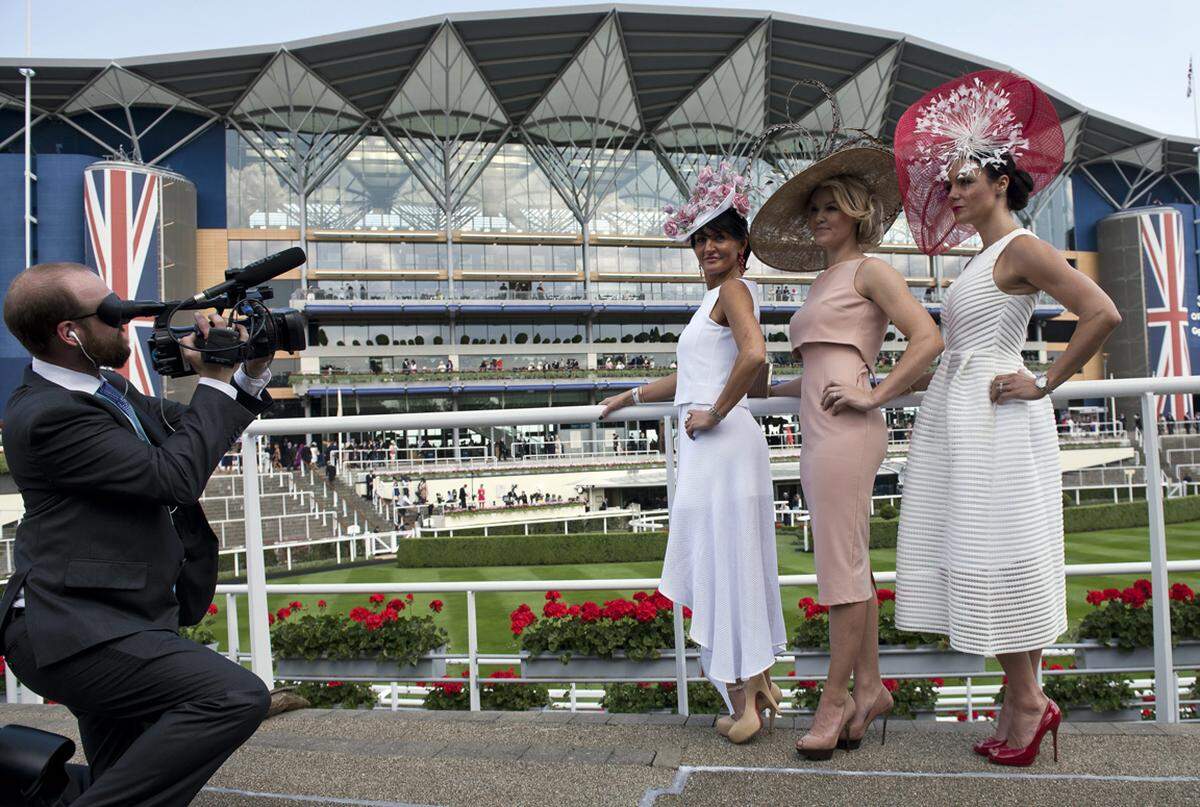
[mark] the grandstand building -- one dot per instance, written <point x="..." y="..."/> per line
<point x="480" y="197"/>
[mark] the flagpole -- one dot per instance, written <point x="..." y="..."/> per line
<point x="28" y="73"/>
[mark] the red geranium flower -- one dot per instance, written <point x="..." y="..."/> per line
<point x="553" y="595"/>
<point x="638" y="596"/>
<point x="374" y="622"/>
<point x="645" y="611"/>
<point x="390" y="615"/>
<point x="334" y="684"/>
<point x="377" y="598"/>
<point x="296" y="605"/>
<point x="1095" y="597"/>
<point x="1182" y="592"/>
<point x="554" y="610"/>
<point x="359" y="614"/>
<point x="1144" y="586"/>
<point x="396" y="604"/>
<point x="408" y="597"/>
<point x="589" y="612"/>
<point x="1112" y="594"/>
<point x="885" y="594"/>
<point x="891" y="684"/>
<point x="436" y="606"/>
<point x="283" y="613"/>
<point x="937" y="682"/>
<point x="321" y="603"/>
<point x="270" y="619"/>
<point x="687" y="612"/>
<point x="1133" y="596"/>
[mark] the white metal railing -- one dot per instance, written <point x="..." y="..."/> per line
<point x="256" y="588"/>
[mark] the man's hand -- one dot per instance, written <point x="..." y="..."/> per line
<point x="195" y="360"/>
<point x="255" y="367"/>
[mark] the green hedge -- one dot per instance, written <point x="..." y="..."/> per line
<point x="1086" y="518"/>
<point x="531" y="550"/>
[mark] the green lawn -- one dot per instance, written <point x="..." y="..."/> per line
<point x="1183" y="542"/>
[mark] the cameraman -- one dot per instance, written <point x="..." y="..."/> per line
<point x="114" y="552"/>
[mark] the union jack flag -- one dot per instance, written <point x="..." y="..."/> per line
<point x="121" y="206"/>
<point x="1167" y="314"/>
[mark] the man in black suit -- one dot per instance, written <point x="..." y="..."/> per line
<point x="114" y="552"/>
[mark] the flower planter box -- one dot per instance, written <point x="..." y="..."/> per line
<point x="1086" y="714"/>
<point x="1098" y="656"/>
<point x="897" y="660"/>
<point x="364" y="669"/>
<point x="617" y="668"/>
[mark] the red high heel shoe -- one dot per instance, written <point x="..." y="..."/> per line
<point x="1004" y="755"/>
<point x="984" y="747"/>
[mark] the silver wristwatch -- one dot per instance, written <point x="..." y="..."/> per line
<point x="1042" y="382"/>
<point x="712" y="410"/>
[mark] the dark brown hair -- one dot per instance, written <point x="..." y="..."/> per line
<point x="731" y="224"/>
<point x="37" y="300"/>
<point x="1020" y="183"/>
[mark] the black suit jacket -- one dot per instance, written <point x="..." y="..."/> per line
<point x="113" y="540"/>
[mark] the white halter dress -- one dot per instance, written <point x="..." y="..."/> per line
<point x="980" y="546"/>
<point x="721" y="559"/>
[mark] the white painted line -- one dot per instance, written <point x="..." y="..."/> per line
<point x="685" y="771"/>
<point x="231" y="791"/>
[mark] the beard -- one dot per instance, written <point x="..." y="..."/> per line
<point x="108" y="349"/>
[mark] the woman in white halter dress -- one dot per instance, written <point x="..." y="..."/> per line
<point x="721" y="558"/>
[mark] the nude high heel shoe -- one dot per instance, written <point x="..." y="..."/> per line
<point x="725" y="722"/>
<point x="751" y="722"/>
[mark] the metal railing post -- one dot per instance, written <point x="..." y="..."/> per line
<point x="472" y="651"/>
<point x="256" y="577"/>
<point x="681" y="682"/>
<point x="1166" y="692"/>
<point x="234" y="638"/>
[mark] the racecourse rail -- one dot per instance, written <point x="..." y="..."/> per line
<point x="256" y="588"/>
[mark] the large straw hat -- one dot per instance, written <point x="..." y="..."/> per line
<point x="780" y="236"/>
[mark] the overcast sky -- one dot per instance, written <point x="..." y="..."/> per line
<point x="1101" y="53"/>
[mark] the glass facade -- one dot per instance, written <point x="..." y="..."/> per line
<point x="521" y="196"/>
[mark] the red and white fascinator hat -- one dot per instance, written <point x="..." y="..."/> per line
<point x="979" y="119"/>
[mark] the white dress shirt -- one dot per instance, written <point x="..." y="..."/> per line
<point x="86" y="382"/>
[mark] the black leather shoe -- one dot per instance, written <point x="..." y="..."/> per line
<point x="33" y="767"/>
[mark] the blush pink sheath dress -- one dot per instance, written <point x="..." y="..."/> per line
<point x="837" y="333"/>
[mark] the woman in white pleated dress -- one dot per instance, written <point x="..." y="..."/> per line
<point x="721" y="559"/>
<point x="980" y="545"/>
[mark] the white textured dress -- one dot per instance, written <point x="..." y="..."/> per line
<point x="980" y="545"/>
<point x="721" y="559"/>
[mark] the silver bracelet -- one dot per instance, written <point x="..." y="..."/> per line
<point x="637" y="395"/>
<point x="712" y="410"/>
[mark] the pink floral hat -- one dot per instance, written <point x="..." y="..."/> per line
<point x="715" y="192"/>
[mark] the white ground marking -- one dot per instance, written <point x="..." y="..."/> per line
<point x="230" y="791"/>
<point x="685" y="772"/>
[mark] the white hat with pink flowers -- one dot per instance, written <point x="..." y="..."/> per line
<point x="715" y="192"/>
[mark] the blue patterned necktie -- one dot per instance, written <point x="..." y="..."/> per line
<point x="109" y="392"/>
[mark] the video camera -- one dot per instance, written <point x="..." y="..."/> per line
<point x="269" y="331"/>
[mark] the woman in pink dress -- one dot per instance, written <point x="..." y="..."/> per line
<point x="829" y="216"/>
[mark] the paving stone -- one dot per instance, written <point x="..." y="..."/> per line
<point x="593" y="718"/>
<point x="520" y="717"/>
<point x="670" y="756"/>
<point x="666" y="720"/>
<point x="588" y="756"/>
<point x="629" y="720"/>
<point x="544" y="753"/>
<point x="631" y="756"/>
<point x="702" y="721"/>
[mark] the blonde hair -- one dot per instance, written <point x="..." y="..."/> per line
<point x="854" y="198"/>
